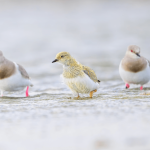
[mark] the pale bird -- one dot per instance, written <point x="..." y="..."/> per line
<point x="13" y="77"/>
<point x="134" y="69"/>
<point x="79" y="78"/>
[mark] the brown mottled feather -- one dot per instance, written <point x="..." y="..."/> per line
<point x="73" y="68"/>
<point x="23" y="72"/>
<point x="88" y="71"/>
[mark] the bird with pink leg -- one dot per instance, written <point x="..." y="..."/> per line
<point x="13" y="77"/>
<point x="134" y="69"/>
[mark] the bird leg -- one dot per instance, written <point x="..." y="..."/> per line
<point x="27" y="91"/>
<point x="1" y="93"/>
<point x="91" y="93"/>
<point x="78" y="96"/>
<point x="141" y="88"/>
<point x="127" y="85"/>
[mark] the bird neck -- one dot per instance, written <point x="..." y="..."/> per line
<point x="70" y="62"/>
<point x="72" y="69"/>
<point x="2" y="59"/>
<point x="131" y="55"/>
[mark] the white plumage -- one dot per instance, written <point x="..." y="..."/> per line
<point x="81" y="84"/>
<point x="15" y="82"/>
<point x="140" y="78"/>
<point x="13" y="77"/>
<point x="134" y="69"/>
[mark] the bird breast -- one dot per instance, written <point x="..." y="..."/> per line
<point x="134" y="65"/>
<point x="72" y="72"/>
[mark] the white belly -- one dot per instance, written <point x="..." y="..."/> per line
<point x="141" y="77"/>
<point x="81" y="84"/>
<point x="15" y="82"/>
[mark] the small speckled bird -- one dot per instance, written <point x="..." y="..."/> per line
<point x="79" y="78"/>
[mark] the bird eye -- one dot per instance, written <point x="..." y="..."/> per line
<point x="62" y="56"/>
<point x="132" y="51"/>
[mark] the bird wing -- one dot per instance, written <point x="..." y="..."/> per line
<point x="88" y="71"/>
<point x="7" y="68"/>
<point x="148" y="62"/>
<point x="23" y="71"/>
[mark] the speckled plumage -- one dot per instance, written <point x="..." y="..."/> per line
<point x="79" y="78"/>
<point x="90" y="73"/>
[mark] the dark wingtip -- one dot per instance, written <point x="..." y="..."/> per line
<point x="98" y="80"/>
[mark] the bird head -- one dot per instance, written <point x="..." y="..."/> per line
<point x="63" y="58"/>
<point x="133" y="51"/>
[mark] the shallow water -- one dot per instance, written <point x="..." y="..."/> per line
<point x="97" y="33"/>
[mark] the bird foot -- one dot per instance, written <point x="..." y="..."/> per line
<point x="91" y="93"/>
<point x="27" y="91"/>
<point x="127" y="86"/>
<point x="77" y="97"/>
<point x="141" y="88"/>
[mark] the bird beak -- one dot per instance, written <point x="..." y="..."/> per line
<point x="138" y="55"/>
<point x="55" y="60"/>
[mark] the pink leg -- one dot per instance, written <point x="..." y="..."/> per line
<point x="127" y="85"/>
<point x="141" y="88"/>
<point x="27" y="91"/>
<point x="1" y="93"/>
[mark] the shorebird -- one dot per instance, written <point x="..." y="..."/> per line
<point x="134" y="69"/>
<point x="79" y="78"/>
<point x="13" y="77"/>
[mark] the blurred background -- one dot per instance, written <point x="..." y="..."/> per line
<point x="95" y="32"/>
